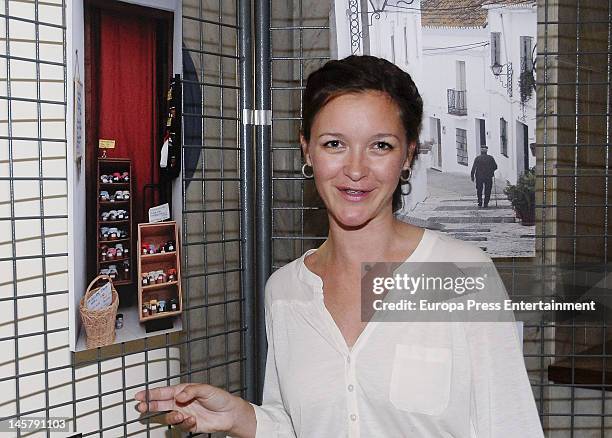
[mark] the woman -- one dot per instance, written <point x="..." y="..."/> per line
<point x="328" y="373"/>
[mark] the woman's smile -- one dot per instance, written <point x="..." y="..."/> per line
<point x="354" y="194"/>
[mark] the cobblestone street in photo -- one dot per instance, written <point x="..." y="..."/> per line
<point x="451" y="207"/>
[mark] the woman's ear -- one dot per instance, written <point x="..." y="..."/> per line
<point x="305" y="152"/>
<point x="411" y="151"/>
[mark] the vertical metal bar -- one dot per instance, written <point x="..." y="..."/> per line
<point x="123" y="386"/>
<point x="544" y="223"/>
<point x="99" y="380"/>
<point x="245" y="52"/>
<point x="146" y="367"/>
<point x="365" y="27"/>
<point x="263" y="176"/>
<point x="41" y="195"/>
<point x="12" y="208"/>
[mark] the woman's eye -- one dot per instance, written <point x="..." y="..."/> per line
<point x="332" y="143"/>
<point x="383" y="145"/>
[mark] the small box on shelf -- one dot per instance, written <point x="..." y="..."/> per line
<point x="159" y="271"/>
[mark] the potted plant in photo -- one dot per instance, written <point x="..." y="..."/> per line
<point x="522" y="197"/>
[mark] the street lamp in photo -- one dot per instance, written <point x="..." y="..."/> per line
<point x="503" y="73"/>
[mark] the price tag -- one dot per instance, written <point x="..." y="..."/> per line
<point x="101" y="299"/>
<point x="159" y="213"/>
<point x="106" y="144"/>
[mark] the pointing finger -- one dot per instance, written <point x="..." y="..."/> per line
<point x="161" y="393"/>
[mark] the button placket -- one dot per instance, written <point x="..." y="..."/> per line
<point x="353" y="414"/>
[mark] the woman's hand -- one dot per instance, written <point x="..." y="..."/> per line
<point x="200" y="408"/>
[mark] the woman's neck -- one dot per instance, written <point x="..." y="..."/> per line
<point x="381" y="239"/>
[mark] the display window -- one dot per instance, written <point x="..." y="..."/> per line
<point x="131" y="165"/>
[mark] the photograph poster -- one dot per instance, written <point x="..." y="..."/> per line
<point x="474" y="65"/>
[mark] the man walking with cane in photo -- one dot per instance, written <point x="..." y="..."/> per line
<point x="483" y="169"/>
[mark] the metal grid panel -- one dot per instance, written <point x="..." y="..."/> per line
<point x="213" y="209"/>
<point x="573" y="128"/>
<point x="38" y="374"/>
<point x="33" y="216"/>
<point x="299" y="45"/>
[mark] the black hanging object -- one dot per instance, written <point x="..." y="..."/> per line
<point x="170" y="156"/>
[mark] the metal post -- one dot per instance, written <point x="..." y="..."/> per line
<point x="245" y="51"/>
<point x="365" y="28"/>
<point x="263" y="176"/>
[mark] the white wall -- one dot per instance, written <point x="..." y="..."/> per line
<point x="77" y="238"/>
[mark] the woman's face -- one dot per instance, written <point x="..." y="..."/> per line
<point x="357" y="150"/>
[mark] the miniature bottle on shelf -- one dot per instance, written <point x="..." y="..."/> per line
<point x="172" y="275"/>
<point x="126" y="270"/>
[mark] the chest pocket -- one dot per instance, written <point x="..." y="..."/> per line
<point x="421" y="379"/>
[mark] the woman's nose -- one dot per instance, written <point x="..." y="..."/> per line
<point x="356" y="166"/>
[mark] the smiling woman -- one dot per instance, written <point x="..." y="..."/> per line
<point x="357" y="149"/>
<point x="330" y="373"/>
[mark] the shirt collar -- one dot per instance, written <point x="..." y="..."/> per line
<point x="306" y="275"/>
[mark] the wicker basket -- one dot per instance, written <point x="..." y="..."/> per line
<point x="99" y="324"/>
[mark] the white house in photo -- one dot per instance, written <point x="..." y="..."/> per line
<point x="478" y="62"/>
<point x="468" y="59"/>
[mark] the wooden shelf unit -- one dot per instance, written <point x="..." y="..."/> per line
<point x="158" y="234"/>
<point x="108" y="166"/>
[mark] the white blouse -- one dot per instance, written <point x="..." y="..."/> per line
<point x="404" y="379"/>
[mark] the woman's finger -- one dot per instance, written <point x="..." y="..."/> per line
<point x="174" y="418"/>
<point x="187" y="423"/>
<point x="156" y="406"/>
<point x="190" y="392"/>
<point x="161" y="393"/>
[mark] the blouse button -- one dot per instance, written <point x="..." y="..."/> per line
<point x="353" y="417"/>
<point x="350" y="388"/>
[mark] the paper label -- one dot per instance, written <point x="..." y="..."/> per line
<point x="159" y="213"/>
<point x="101" y="299"/>
<point x="106" y="144"/>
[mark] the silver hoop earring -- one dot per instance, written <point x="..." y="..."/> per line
<point x="406" y="179"/>
<point x="304" y="171"/>
<point x="409" y="188"/>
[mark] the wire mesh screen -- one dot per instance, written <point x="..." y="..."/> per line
<point x="212" y="206"/>
<point x="300" y="45"/>
<point x="35" y="369"/>
<point x="93" y="391"/>
<point x="570" y="360"/>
